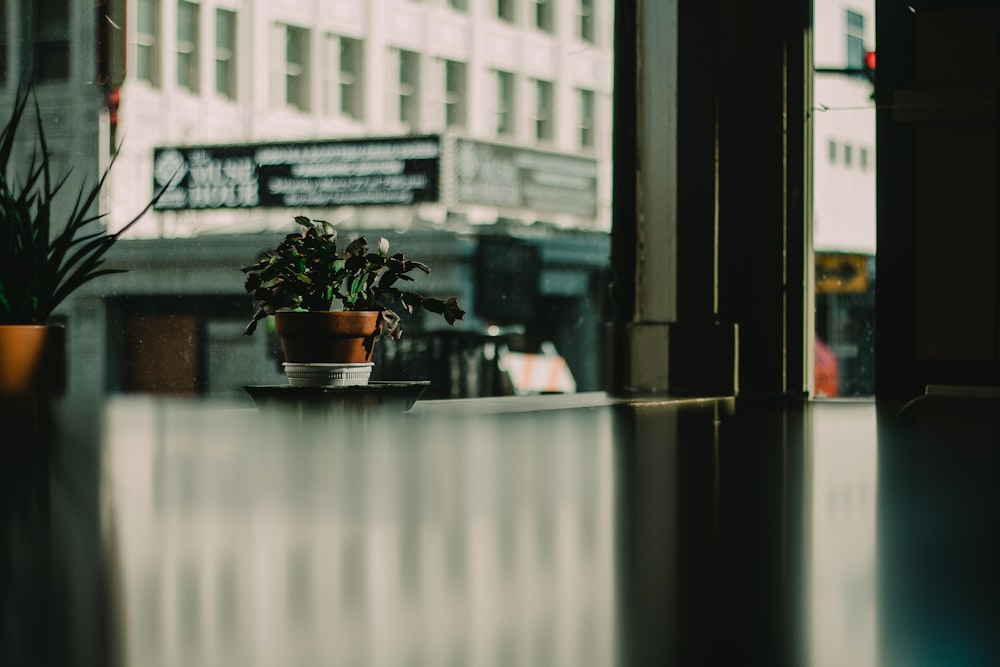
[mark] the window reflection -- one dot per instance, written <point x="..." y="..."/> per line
<point x="842" y="590"/>
<point x="436" y="553"/>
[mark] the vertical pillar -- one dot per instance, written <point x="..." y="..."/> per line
<point x="710" y="245"/>
<point x="643" y="252"/>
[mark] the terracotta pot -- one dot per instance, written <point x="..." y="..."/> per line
<point x="327" y="336"/>
<point x="32" y="360"/>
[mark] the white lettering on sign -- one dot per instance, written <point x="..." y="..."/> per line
<point x="414" y="150"/>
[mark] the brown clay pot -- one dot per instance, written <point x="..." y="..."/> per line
<point x="327" y="336"/>
<point x="32" y="360"/>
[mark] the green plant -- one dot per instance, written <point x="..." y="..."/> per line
<point x="48" y="247"/>
<point x="307" y="271"/>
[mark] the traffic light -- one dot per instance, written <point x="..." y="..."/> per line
<point x="869" y="65"/>
<point x="112" y="98"/>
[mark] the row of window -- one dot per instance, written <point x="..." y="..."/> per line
<point x="543" y="14"/>
<point x="46" y="23"/>
<point x="344" y="76"/>
<point x="845" y="154"/>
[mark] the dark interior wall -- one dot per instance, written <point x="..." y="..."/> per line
<point x="937" y="301"/>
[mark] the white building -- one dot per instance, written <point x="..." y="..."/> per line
<point x="844" y="128"/>
<point x="522" y="73"/>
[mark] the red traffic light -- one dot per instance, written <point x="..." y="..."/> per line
<point x="870" y="60"/>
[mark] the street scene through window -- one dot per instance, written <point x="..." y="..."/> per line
<point x="486" y="157"/>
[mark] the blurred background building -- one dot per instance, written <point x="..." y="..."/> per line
<point x="844" y="196"/>
<point x="475" y="135"/>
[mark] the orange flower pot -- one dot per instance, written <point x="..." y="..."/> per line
<point x="327" y="337"/>
<point x="32" y="360"/>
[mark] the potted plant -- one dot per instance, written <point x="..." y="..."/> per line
<point x="51" y="243"/>
<point x="302" y="281"/>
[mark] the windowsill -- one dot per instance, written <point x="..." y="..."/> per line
<point x="515" y="404"/>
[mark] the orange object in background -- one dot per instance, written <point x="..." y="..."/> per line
<point x="32" y="360"/>
<point x="826" y="371"/>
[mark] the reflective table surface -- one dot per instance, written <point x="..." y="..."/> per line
<point x="552" y="531"/>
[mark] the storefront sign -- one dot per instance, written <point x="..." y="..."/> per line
<point x="362" y="172"/>
<point x="498" y="175"/>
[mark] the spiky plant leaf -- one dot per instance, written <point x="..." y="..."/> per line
<point x="51" y="243"/>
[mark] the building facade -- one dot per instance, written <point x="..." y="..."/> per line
<point x="511" y="98"/>
<point x="494" y="86"/>
<point x="521" y="74"/>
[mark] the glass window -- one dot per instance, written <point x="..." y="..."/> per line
<point x="506" y="10"/>
<point x="147" y="27"/>
<point x="50" y="20"/>
<point x="454" y="93"/>
<point x="351" y="77"/>
<point x="587" y="107"/>
<point x="225" y="53"/>
<point x="545" y="15"/>
<point x="5" y="42"/>
<point x="505" y="104"/>
<point x="372" y="90"/>
<point x="587" y="29"/>
<point x="297" y="67"/>
<point x="855" y="40"/>
<point x="409" y="88"/>
<point x="187" y="45"/>
<point x="843" y="205"/>
<point x="544" y="116"/>
<point x="343" y="76"/>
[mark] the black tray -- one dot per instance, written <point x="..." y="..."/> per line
<point x="396" y="395"/>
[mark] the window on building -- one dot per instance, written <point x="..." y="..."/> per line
<point x="343" y="76"/>
<point x="506" y="10"/>
<point x="296" y="74"/>
<point x="409" y="88"/>
<point x="586" y="121"/>
<point x="4" y="42"/>
<point x="460" y="5"/>
<point x="225" y="53"/>
<point x="351" y="99"/>
<point x="147" y="42"/>
<point x="505" y="104"/>
<point x="545" y="15"/>
<point x="848" y="155"/>
<point x="455" y="86"/>
<point x="855" y="40"/>
<point x="187" y="45"/>
<point x="863" y="159"/>
<point x="50" y="24"/>
<point x="544" y="116"/>
<point x="831" y="151"/>
<point x="587" y="28"/>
